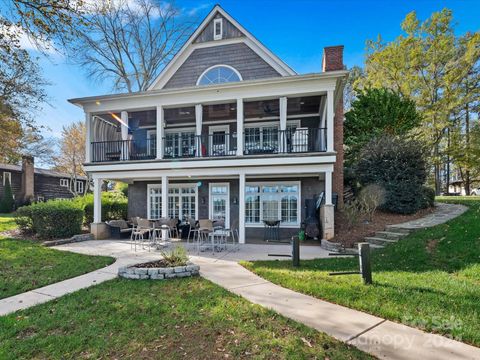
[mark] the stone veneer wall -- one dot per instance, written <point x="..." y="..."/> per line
<point x="131" y="272"/>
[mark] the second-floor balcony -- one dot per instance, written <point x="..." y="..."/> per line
<point x="185" y="145"/>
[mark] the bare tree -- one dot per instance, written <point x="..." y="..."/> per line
<point x="129" y="41"/>
<point x="72" y="153"/>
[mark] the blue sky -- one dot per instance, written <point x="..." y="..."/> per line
<point x="296" y="31"/>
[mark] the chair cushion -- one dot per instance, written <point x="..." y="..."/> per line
<point x="122" y="224"/>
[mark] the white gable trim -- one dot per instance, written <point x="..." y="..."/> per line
<point x="187" y="49"/>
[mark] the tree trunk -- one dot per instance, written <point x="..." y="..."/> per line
<point x="436" y="169"/>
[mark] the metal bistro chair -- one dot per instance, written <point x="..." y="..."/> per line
<point x="138" y="234"/>
<point x="230" y="233"/>
<point x="194" y="229"/>
<point x="219" y="236"/>
<point x="205" y="231"/>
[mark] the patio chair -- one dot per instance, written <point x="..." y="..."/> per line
<point x="205" y="229"/>
<point x="142" y="234"/>
<point x="119" y="229"/>
<point x="230" y="233"/>
<point x="194" y="229"/>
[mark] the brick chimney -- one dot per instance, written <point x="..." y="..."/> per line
<point x="332" y="58"/>
<point x="28" y="176"/>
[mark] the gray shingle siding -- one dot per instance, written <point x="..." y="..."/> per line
<point x="229" y="31"/>
<point x="250" y="65"/>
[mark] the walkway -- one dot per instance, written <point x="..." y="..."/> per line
<point x="380" y="337"/>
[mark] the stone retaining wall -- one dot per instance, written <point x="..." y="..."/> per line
<point x="131" y="272"/>
<point x="73" y="239"/>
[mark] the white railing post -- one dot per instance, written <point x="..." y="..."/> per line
<point x="241" y="209"/>
<point x="88" y="137"/>
<point x="330" y="118"/>
<point x="160" y="131"/>
<point x="125" y="147"/>
<point x="240" y="119"/>
<point x="198" y="129"/>
<point x="283" y="124"/>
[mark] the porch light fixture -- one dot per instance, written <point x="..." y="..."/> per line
<point x="235" y="200"/>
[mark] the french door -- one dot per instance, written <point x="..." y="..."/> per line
<point x="220" y="202"/>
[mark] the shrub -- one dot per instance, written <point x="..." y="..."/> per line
<point x="175" y="257"/>
<point x="352" y="211"/>
<point x="114" y="206"/>
<point x="23" y="218"/>
<point x="7" y="203"/>
<point x="428" y="197"/>
<point x="398" y="165"/>
<point x="51" y="219"/>
<point x="370" y="198"/>
<point x="122" y="187"/>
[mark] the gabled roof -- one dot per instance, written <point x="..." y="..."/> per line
<point x="248" y="39"/>
<point x="38" y="171"/>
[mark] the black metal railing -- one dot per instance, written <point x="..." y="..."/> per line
<point x="122" y="150"/>
<point x="220" y="144"/>
<point x="188" y="145"/>
<point x="293" y="140"/>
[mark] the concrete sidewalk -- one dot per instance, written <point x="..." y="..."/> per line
<point x="377" y="336"/>
<point x="382" y="338"/>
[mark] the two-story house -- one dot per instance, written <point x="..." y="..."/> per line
<point x="227" y="130"/>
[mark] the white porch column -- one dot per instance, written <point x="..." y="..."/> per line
<point x="164" y="196"/>
<point x="328" y="188"/>
<point x="327" y="211"/>
<point x="330" y="116"/>
<point x="283" y="123"/>
<point x="241" y="209"/>
<point x="198" y="128"/>
<point x="240" y="136"/>
<point x="125" y="147"/>
<point x="97" y="200"/>
<point x="160" y="131"/>
<point x="88" y="138"/>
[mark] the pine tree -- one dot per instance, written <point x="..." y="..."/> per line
<point x="7" y="202"/>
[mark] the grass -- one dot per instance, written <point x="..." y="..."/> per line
<point x="430" y="279"/>
<point x="175" y="319"/>
<point x="7" y="222"/>
<point x="26" y="265"/>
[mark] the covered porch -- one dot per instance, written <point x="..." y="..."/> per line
<point x="243" y="199"/>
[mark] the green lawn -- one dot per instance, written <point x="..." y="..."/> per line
<point x="175" y="319"/>
<point x="430" y="280"/>
<point x="27" y="265"/>
<point x="6" y="222"/>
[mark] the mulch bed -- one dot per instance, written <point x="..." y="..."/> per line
<point x="349" y="237"/>
<point x="155" y="264"/>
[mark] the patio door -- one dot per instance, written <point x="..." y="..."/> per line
<point x="219" y="140"/>
<point x="219" y="208"/>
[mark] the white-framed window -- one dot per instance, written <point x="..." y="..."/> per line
<point x="219" y="140"/>
<point x="7" y="176"/>
<point x="64" y="182"/>
<point x="180" y="143"/>
<point x="264" y="136"/>
<point x="182" y="201"/>
<point x="273" y="201"/>
<point x="217" y="29"/>
<point x="152" y="142"/>
<point x="219" y="74"/>
<point x="79" y="187"/>
<point x="219" y="202"/>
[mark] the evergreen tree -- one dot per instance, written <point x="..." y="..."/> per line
<point x="7" y="202"/>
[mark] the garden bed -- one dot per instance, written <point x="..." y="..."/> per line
<point x="158" y="270"/>
<point x="349" y="237"/>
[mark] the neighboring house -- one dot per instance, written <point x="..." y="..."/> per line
<point x="33" y="184"/>
<point x="227" y="130"/>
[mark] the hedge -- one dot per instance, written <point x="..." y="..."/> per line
<point x="114" y="206"/>
<point x="399" y="166"/>
<point x="51" y="219"/>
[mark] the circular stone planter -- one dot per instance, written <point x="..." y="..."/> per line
<point x="158" y="273"/>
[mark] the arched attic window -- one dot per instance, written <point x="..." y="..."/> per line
<point x="219" y="74"/>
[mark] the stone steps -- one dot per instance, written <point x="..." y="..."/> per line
<point x="395" y="229"/>
<point x="389" y="235"/>
<point x="379" y="241"/>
